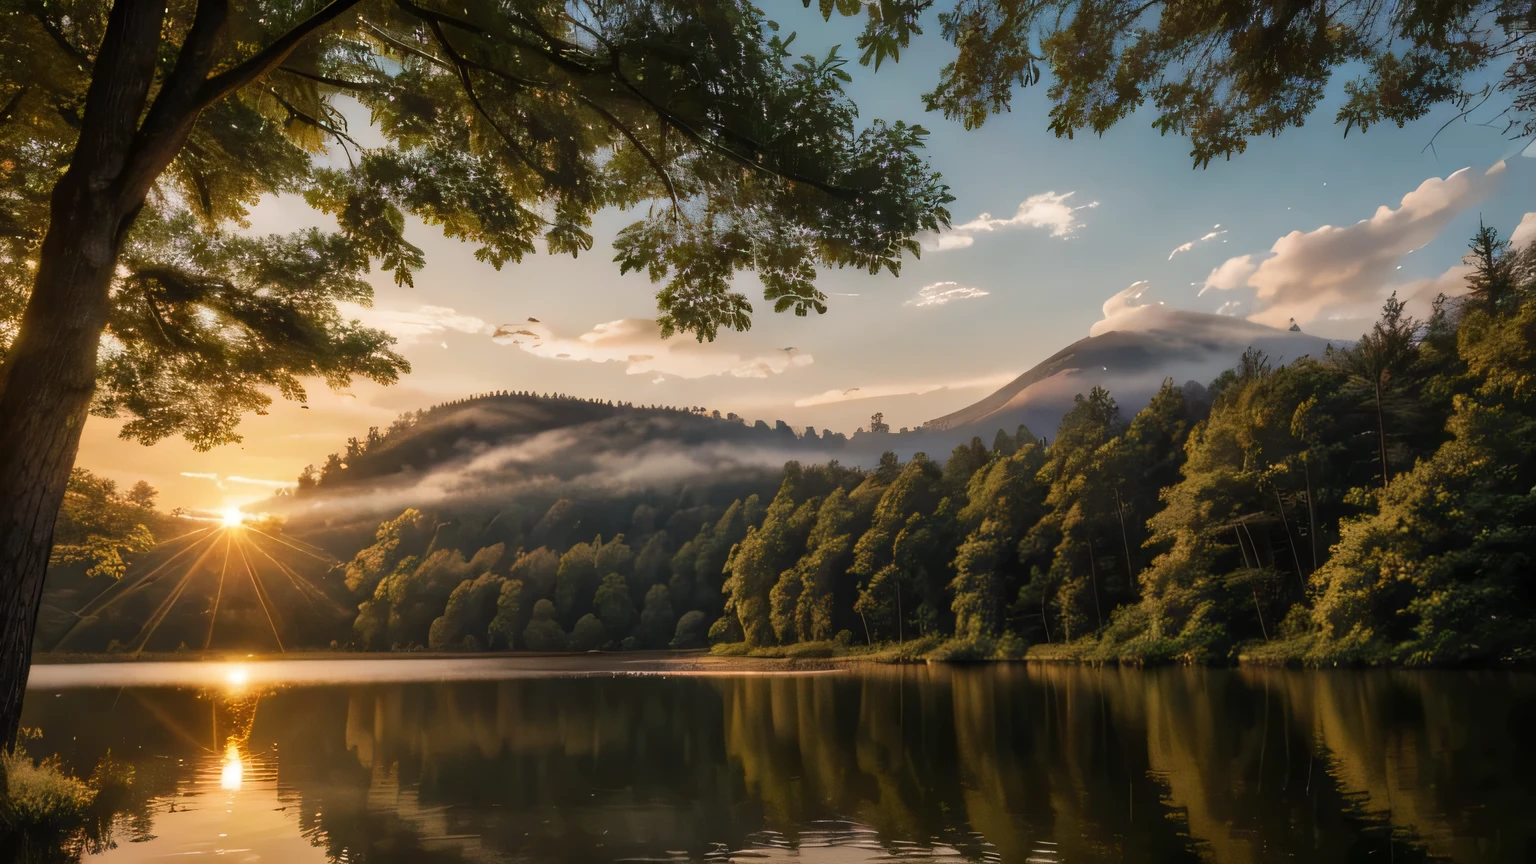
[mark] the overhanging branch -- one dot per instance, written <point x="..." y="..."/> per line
<point x="270" y="57"/>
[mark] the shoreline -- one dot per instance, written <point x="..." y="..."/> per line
<point x="701" y="661"/>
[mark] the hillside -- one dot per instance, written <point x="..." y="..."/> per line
<point x="1131" y="364"/>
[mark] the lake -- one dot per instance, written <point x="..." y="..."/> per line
<point x="484" y="760"/>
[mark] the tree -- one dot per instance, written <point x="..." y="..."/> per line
<point x="613" y="606"/>
<point x="140" y="133"/>
<point x="577" y="580"/>
<point x="508" y="618"/>
<point x="102" y="528"/>
<point x="1378" y="360"/>
<point x="1216" y="74"/>
<point x="652" y="565"/>
<point x="814" y="580"/>
<point x="543" y="632"/>
<point x="538" y="571"/>
<point x="589" y="634"/>
<point x="691" y="631"/>
<point x="657" y="621"/>
<point x="466" y="619"/>
<point x="406" y="534"/>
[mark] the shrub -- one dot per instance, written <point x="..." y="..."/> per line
<point x="690" y="631"/>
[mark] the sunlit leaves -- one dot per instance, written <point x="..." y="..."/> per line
<point x="500" y="125"/>
<point x="205" y="324"/>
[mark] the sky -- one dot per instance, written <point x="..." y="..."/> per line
<point x="1051" y="236"/>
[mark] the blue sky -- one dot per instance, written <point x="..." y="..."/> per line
<point x="1044" y="286"/>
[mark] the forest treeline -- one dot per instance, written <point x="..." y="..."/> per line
<point x="1375" y="504"/>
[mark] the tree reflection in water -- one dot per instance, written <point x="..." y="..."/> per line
<point x="999" y="762"/>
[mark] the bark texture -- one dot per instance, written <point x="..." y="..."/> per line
<point x="50" y="376"/>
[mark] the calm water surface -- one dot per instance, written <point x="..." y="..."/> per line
<point x="349" y="761"/>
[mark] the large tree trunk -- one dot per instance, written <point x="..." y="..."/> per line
<point x="48" y="386"/>
<point x="50" y="375"/>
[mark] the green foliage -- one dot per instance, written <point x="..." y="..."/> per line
<point x="576" y="580"/>
<point x="544" y="633"/>
<point x="538" y="571"/>
<point x="613" y="606"/>
<point x="467" y="618"/>
<point x="692" y="630"/>
<point x="102" y="527"/>
<point x="406" y="534"/>
<point x="658" y="624"/>
<point x="498" y="128"/>
<point x="589" y="634"/>
<point x="509" y="617"/>
<point x="1253" y="521"/>
<point x="1217" y="74"/>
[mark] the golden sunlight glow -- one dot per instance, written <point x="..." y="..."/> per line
<point x="237" y="677"/>
<point x="233" y="771"/>
<point x="232" y="517"/>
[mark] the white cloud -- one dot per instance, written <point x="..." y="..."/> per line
<point x="1232" y="273"/>
<point x="1191" y="331"/>
<point x="417" y="325"/>
<point x="940" y="293"/>
<point x="637" y="343"/>
<point x="881" y="391"/>
<point x="1048" y="210"/>
<point x="1340" y="273"/>
<point x="1525" y="232"/>
<point x="1215" y="232"/>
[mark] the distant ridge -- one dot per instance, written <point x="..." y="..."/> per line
<point x="1131" y="364"/>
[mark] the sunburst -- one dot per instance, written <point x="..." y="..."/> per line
<point x="231" y="568"/>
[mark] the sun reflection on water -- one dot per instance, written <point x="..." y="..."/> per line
<point x="233" y="771"/>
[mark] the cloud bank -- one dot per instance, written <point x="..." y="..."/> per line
<point x="1334" y="273"/>
<point x="418" y="325"/>
<point x="637" y="343"/>
<point x="1048" y="210"/>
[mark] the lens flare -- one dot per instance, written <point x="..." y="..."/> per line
<point x="232" y="517"/>
<point x="233" y="770"/>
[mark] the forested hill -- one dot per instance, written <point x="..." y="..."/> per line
<point x="1150" y="344"/>
<point x="491" y="445"/>
<point x="1372" y="504"/>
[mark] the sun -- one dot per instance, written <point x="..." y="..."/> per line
<point x="232" y="517"/>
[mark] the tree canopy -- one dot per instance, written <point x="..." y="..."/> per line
<point x="1223" y="73"/>
<point x="502" y="125"/>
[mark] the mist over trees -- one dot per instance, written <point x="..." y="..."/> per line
<point x="1372" y="504"/>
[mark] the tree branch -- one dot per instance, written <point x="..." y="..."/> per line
<point x="462" y="69"/>
<point x="272" y="56"/>
<point x="435" y="19"/>
<point x="338" y="83"/>
<point x="12" y="104"/>
<point x="395" y="43"/>
<point x="40" y="14"/>
<point x="613" y="121"/>
<point x="171" y="115"/>
<point x="294" y="113"/>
